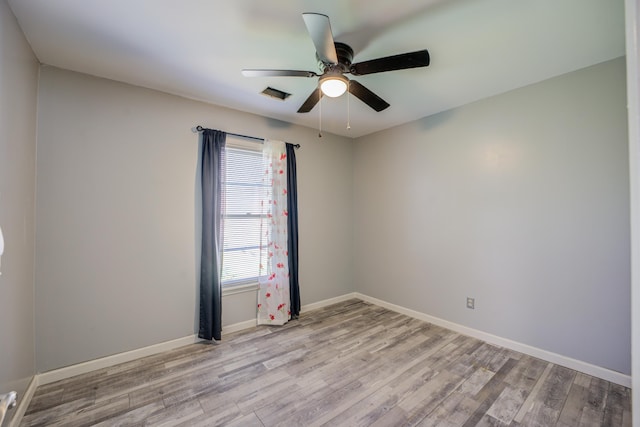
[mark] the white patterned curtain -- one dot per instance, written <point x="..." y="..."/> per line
<point x="273" y="292"/>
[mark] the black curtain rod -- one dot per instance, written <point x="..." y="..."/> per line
<point x="200" y="129"/>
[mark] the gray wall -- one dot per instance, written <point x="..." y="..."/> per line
<point x="18" y="93"/>
<point x="520" y="201"/>
<point x="117" y="215"/>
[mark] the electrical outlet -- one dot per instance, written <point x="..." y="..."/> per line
<point x="471" y="303"/>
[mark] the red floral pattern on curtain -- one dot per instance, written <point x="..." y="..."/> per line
<point x="273" y="292"/>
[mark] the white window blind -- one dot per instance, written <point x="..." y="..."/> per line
<point x="244" y="232"/>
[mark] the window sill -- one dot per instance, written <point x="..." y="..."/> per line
<point x="240" y="289"/>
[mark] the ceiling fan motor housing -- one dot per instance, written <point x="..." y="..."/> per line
<point x="345" y="57"/>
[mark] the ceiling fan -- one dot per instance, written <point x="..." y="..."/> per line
<point x="335" y="61"/>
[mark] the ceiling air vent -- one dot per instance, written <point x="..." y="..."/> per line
<point x="275" y="93"/>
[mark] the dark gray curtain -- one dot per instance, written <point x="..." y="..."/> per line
<point x="292" y="219"/>
<point x="213" y="142"/>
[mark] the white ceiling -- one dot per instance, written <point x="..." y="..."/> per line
<point x="196" y="48"/>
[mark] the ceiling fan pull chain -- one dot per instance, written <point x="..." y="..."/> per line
<point x="320" y="115"/>
<point x="348" y="105"/>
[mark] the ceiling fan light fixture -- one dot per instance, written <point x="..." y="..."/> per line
<point x="334" y="85"/>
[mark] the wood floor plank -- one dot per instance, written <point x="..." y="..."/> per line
<point x="507" y="404"/>
<point x="286" y="406"/>
<point x="528" y="404"/>
<point x="490" y="392"/>
<point x="175" y="415"/>
<point x="574" y="405"/>
<point x="434" y="395"/>
<point x="52" y="415"/>
<point x="249" y="420"/>
<point x="45" y="400"/>
<point x="459" y="413"/>
<point x="551" y="397"/>
<point x="350" y="363"/>
<point x="615" y="405"/>
<point x="134" y="417"/>
<point x="375" y="376"/>
<point x="519" y="383"/>
<point x="86" y="414"/>
<point x="398" y="386"/>
<point x="557" y="387"/>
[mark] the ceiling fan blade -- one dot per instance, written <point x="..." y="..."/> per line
<point x="311" y="101"/>
<point x="278" y="73"/>
<point x="366" y="96"/>
<point x="403" y="61"/>
<point x="319" y="29"/>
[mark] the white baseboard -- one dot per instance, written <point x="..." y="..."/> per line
<point x="327" y="302"/>
<point x="558" y="359"/>
<point x="105" y="362"/>
<point x="239" y="326"/>
<point x="24" y="401"/>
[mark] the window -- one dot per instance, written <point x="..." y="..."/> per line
<point x="245" y="234"/>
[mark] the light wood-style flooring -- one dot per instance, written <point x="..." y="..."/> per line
<point x="349" y="364"/>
